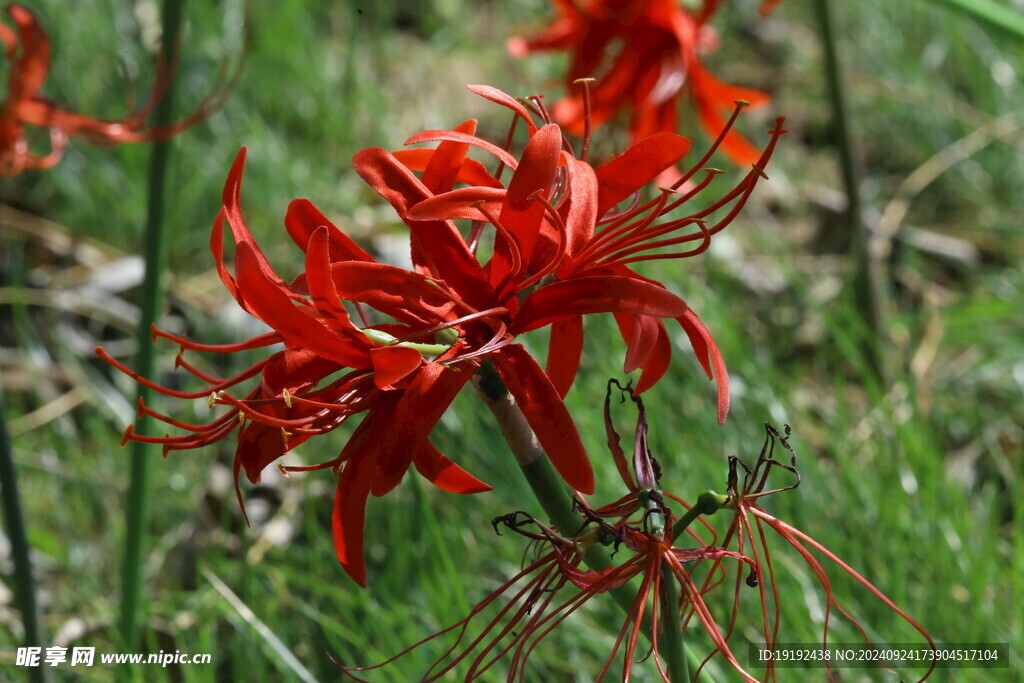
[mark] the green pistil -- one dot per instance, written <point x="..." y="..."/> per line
<point x="386" y="339"/>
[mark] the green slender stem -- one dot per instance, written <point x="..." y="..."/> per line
<point x="138" y="492"/>
<point x="1002" y="17"/>
<point x="14" y="523"/>
<point x="671" y="628"/>
<point x="868" y="285"/>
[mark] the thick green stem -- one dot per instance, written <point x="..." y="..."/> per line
<point x="14" y="523"/>
<point x="548" y="487"/>
<point x="138" y="492"/>
<point x="671" y="628"/>
<point x="868" y="280"/>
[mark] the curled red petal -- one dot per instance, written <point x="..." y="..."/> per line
<point x="522" y="213"/>
<point x="505" y="100"/>
<point x="403" y="294"/>
<point x="268" y="300"/>
<point x="597" y="294"/>
<point x="303" y="219"/>
<point x="456" y="136"/>
<point x="445" y="474"/>
<point x="565" y="347"/>
<point x="547" y="416"/>
<point x="445" y="254"/>
<point x="584" y="209"/>
<point x="637" y="166"/>
<point x="657" y="361"/>
<point x="707" y="352"/>
<point x="445" y="163"/>
<point x="472" y="172"/>
<point x="406" y="427"/>
<point x="393" y="363"/>
<point x="320" y="283"/>
<point x="461" y="203"/>
<point x="349" y="517"/>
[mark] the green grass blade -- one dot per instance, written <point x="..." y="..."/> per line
<point x="138" y="503"/>
<point x="289" y="660"/>
<point x="992" y="13"/>
<point x="24" y="584"/>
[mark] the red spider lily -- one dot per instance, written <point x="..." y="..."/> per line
<point x="645" y="53"/>
<point x="402" y="374"/>
<point x="747" y="531"/>
<point x="560" y="235"/>
<point x="28" y="51"/>
<point x="384" y="372"/>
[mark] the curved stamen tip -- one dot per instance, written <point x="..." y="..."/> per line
<point x="152" y="332"/>
<point x="741" y="103"/>
<point x="284" y="471"/>
<point x="284" y="436"/>
<point x="139" y="405"/>
<point x="535" y="194"/>
<point x="667" y="190"/>
<point x="478" y="203"/>
<point x="714" y="171"/>
<point x="129" y="430"/>
<point x="212" y="400"/>
<point x="779" y="130"/>
<point x="588" y="79"/>
<point x="760" y="171"/>
<point x="287" y="396"/>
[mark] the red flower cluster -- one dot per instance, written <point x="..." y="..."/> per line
<point x="644" y="53"/>
<point x="562" y="250"/>
<point x="28" y="50"/>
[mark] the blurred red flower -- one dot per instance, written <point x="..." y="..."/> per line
<point x="27" y="48"/>
<point x="644" y="54"/>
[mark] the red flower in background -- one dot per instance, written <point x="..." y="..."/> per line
<point x="644" y="53"/>
<point x="28" y="50"/>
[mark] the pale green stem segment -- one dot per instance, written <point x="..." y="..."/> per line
<point x="138" y="492"/>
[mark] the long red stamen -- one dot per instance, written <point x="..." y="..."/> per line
<point x="247" y="374"/>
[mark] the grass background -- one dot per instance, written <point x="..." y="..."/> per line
<point x="916" y="483"/>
